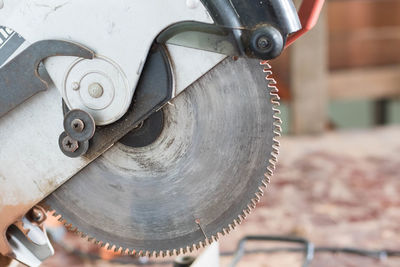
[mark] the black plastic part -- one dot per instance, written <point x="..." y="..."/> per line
<point x="146" y="133"/>
<point x="266" y="43"/>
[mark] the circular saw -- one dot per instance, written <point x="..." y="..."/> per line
<point x="150" y="129"/>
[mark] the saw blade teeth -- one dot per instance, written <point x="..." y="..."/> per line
<point x="264" y="183"/>
<point x="174" y="253"/>
<point x="265" y="63"/>
<point x="274" y="99"/>
<point x="277" y="112"/>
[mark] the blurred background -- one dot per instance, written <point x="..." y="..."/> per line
<point x="338" y="179"/>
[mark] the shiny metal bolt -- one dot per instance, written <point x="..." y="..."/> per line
<point x="96" y="90"/>
<point x="75" y="85"/>
<point x="69" y="144"/>
<point x="37" y="215"/>
<point x="78" y="125"/>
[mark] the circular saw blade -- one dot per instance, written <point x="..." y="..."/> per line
<point x="199" y="179"/>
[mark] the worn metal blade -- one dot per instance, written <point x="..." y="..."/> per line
<point x="198" y="180"/>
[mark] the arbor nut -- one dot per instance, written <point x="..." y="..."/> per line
<point x="69" y="144"/>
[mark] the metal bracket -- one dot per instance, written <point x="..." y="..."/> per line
<point x="20" y="78"/>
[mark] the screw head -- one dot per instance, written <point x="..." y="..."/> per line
<point x="78" y="125"/>
<point x="69" y="144"/>
<point x="263" y="43"/>
<point x="75" y="86"/>
<point x="96" y="90"/>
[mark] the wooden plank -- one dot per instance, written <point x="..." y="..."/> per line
<point x="368" y="84"/>
<point x="363" y="33"/>
<point x="351" y="15"/>
<point x="367" y="47"/>
<point x="308" y="81"/>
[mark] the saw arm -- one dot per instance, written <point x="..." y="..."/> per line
<point x="134" y="72"/>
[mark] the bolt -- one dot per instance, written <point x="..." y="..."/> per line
<point x="78" y="125"/>
<point x="69" y="144"/>
<point x="263" y="43"/>
<point x="75" y="85"/>
<point x="37" y="215"/>
<point x="96" y="90"/>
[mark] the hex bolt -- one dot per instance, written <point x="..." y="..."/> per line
<point x="96" y="90"/>
<point x="69" y="144"/>
<point x="78" y="125"/>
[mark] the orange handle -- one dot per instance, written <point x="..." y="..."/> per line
<point x="308" y="14"/>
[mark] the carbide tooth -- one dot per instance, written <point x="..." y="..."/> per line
<point x="175" y="252"/>
<point x="268" y="73"/>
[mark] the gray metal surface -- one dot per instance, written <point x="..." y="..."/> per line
<point x="20" y="78"/>
<point x="199" y="179"/>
